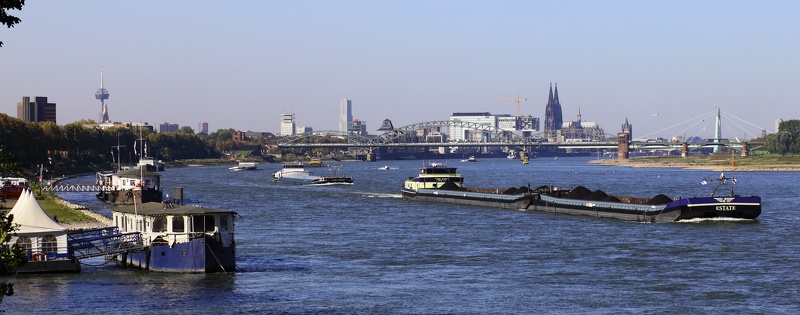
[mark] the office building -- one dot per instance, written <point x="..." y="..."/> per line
<point x="202" y="127"/>
<point x="345" y="114"/>
<point x="461" y="133"/>
<point x="287" y="124"/>
<point x="37" y="111"/>
<point x="357" y="127"/>
<point x="167" y="127"/>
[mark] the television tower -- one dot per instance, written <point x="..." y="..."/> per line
<point x="102" y="95"/>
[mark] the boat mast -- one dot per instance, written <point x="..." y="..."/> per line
<point x="720" y="181"/>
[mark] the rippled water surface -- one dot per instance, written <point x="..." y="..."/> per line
<point x="362" y="249"/>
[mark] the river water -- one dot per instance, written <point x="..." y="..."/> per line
<point x="362" y="249"/>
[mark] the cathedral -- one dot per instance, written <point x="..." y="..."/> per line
<point x="552" y="113"/>
<point x="555" y="129"/>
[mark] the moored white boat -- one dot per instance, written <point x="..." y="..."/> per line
<point x="179" y="238"/>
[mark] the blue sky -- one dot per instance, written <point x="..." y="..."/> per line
<point x="240" y="64"/>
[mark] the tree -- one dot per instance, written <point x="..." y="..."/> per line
<point x="11" y="256"/>
<point x="5" y="18"/>
<point x="786" y="140"/>
<point x="186" y="129"/>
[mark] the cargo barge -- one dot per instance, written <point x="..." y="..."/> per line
<point x="438" y="183"/>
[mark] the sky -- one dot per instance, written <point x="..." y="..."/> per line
<point x="241" y="64"/>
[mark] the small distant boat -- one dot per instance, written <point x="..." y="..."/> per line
<point x="315" y="162"/>
<point x="512" y="155"/>
<point x="152" y="163"/>
<point x="385" y="167"/>
<point x="470" y="159"/>
<point x="297" y="173"/>
<point x="244" y="166"/>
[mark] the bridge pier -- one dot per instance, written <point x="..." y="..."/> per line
<point x="745" y="151"/>
<point x="685" y="150"/>
<point x="623" y="145"/>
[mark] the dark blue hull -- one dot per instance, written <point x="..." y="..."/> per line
<point x="717" y="207"/>
<point x="203" y="254"/>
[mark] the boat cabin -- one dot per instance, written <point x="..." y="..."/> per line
<point x="435" y="176"/>
<point x="129" y="179"/>
<point x="168" y="223"/>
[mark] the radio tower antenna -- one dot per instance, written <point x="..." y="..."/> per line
<point x="102" y="95"/>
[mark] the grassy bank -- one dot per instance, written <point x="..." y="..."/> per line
<point x="61" y="212"/>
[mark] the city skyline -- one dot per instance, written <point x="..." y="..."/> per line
<point x="655" y="64"/>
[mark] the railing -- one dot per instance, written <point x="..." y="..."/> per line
<point x="102" y="241"/>
<point x="79" y="188"/>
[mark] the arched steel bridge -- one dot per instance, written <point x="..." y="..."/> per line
<point x="406" y="137"/>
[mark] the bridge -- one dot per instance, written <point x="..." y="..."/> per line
<point x="102" y="242"/>
<point x="407" y="137"/>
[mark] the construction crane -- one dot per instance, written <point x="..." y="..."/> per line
<point x="514" y="99"/>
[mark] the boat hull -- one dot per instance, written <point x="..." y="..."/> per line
<point x="682" y="209"/>
<point x="610" y="210"/>
<point x="61" y="265"/>
<point x="519" y="201"/>
<point x="126" y="197"/>
<point x="718" y="207"/>
<point x="199" y="255"/>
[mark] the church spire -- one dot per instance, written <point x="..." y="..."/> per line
<point x="555" y="99"/>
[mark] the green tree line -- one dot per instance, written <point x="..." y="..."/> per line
<point x="786" y="140"/>
<point x="24" y="146"/>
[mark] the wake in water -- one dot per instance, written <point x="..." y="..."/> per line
<point x="377" y="195"/>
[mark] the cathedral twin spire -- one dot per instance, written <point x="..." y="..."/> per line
<point x="552" y="115"/>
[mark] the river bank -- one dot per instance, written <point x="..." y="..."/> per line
<point x="711" y="163"/>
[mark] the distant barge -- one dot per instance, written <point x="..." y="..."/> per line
<point x="438" y="183"/>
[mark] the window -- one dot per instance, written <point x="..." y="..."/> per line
<point x="203" y="223"/>
<point x="49" y="244"/>
<point x="25" y="243"/>
<point x="177" y="223"/>
<point x="160" y="224"/>
<point x="223" y="222"/>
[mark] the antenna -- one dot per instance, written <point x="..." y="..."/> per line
<point x="102" y="95"/>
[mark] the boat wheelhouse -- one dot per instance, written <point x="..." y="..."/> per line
<point x="433" y="176"/>
<point x="138" y="185"/>
<point x="179" y="238"/>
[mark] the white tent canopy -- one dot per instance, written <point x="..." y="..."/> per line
<point x="36" y="225"/>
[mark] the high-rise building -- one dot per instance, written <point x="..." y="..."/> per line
<point x="357" y="127"/>
<point x="287" y="124"/>
<point x="552" y="113"/>
<point x="167" y="127"/>
<point x="460" y="133"/>
<point x="202" y="127"/>
<point x="345" y="114"/>
<point x="37" y="111"/>
<point x="102" y="95"/>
